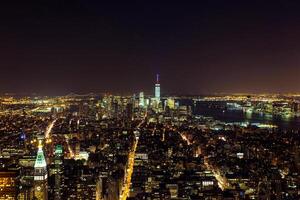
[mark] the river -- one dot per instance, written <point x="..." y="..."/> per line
<point x="218" y="111"/>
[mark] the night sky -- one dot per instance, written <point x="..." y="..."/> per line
<point x="61" y="46"/>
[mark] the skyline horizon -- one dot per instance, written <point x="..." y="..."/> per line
<point x="205" y="47"/>
<point x="91" y="93"/>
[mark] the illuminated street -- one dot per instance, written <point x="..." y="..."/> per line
<point x="222" y="181"/>
<point x="71" y="153"/>
<point x="129" y="170"/>
<point x="128" y="173"/>
<point x="49" y="129"/>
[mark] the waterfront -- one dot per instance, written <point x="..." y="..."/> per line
<point x="218" y="111"/>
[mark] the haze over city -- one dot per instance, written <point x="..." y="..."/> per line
<point x="56" y="47"/>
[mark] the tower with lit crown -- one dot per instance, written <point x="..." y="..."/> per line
<point x="58" y="161"/>
<point x="157" y="89"/>
<point x="40" y="175"/>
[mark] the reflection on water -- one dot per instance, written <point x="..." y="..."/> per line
<point x="219" y="112"/>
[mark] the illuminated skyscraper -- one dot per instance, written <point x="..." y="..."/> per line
<point x="157" y="89"/>
<point x="58" y="161"/>
<point x="8" y="184"/>
<point x="141" y="100"/>
<point x="170" y="103"/>
<point x="40" y="175"/>
<point x="22" y="140"/>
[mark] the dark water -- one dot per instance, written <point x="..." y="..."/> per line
<point x="218" y="111"/>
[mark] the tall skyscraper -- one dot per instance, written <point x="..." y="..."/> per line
<point x="40" y="175"/>
<point x="141" y="100"/>
<point x="157" y="89"/>
<point x="58" y="161"/>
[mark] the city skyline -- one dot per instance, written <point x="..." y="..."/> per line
<point x="149" y="101"/>
<point x="58" y="47"/>
<point x="113" y="147"/>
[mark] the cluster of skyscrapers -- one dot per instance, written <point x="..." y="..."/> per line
<point x="110" y="147"/>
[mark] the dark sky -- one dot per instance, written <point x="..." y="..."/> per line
<point x="62" y="46"/>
